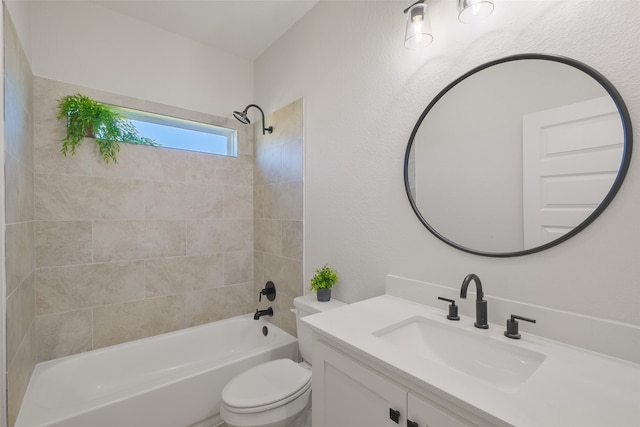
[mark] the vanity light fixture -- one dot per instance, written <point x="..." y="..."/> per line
<point x="418" y="33"/>
<point x="243" y="118"/>
<point x="470" y="11"/>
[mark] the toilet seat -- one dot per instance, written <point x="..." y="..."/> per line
<point x="266" y="386"/>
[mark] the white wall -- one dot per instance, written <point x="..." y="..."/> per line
<point x="363" y="93"/>
<point x="88" y="45"/>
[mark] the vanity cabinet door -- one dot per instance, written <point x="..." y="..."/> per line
<point x="347" y="393"/>
<point x="426" y="414"/>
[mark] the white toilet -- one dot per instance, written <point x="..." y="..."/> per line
<point x="276" y="393"/>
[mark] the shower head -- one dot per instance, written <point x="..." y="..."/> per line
<point x="242" y="118"/>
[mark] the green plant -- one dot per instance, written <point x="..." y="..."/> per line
<point x="86" y="117"/>
<point x="324" y="278"/>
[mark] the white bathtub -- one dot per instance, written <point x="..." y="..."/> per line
<point x="170" y="380"/>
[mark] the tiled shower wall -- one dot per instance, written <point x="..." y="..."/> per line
<point x="19" y="245"/>
<point x="160" y="241"/>
<point x="278" y="209"/>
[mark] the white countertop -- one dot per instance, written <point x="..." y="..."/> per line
<point x="572" y="386"/>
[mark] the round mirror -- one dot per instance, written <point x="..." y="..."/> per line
<point x="518" y="155"/>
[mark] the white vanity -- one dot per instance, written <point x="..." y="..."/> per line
<point x="389" y="361"/>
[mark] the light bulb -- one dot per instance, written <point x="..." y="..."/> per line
<point x="474" y="10"/>
<point x="418" y="32"/>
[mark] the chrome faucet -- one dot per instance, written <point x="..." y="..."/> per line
<point x="481" y="304"/>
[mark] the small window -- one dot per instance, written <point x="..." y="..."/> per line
<point x="182" y="134"/>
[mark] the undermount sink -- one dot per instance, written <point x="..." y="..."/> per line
<point x="504" y="365"/>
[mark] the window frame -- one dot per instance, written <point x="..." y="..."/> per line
<point x="231" y="135"/>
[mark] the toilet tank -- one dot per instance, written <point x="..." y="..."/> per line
<point x="305" y="306"/>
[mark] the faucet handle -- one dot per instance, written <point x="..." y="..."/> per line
<point x="512" y="326"/>
<point x="453" y="309"/>
<point x="269" y="290"/>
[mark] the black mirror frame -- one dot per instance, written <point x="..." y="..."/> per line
<point x="624" y="166"/>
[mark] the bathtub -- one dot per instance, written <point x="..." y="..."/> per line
<point x="170" y="380"/>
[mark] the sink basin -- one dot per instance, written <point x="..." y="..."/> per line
<point x="502" y="364"/>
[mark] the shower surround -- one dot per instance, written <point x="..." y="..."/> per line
<point x="163" y="240"/>
<point x="160" y="241"/>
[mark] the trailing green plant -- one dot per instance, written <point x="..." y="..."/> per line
<point x="86" y="117"/>
<point x="324" y="278"/>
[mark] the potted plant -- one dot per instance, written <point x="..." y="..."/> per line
<point x="88" y="118"/>
<point x="323" y="281"/>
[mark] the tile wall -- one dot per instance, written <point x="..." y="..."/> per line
<point x="19" y="217"/>
<point x="278" y="209"/>
<point x="160" y="241"/>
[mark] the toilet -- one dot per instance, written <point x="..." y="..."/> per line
<point x="276" y="393"/>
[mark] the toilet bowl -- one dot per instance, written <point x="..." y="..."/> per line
<point x="276" y="393"/>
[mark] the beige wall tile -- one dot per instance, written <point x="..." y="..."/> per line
<point x="212" y="169"/>
<point x="169" y="200"/>
<point x="238" y="201"/>
<point x="14" y="325"/>
<point x="61" y="289"/>
<point x="18" y="220"/>
<point x="258" y="201"/>
<point x="285" y="273"/>
<point x="292" y="239"/>
<point x="20" y="316"/>
<point x="114" y="324"/>
<point x="19" y="253"/>
<point x="292" y="161"/>
<point x="268" y="162"/>
<point x="238" y="267"/>
<point x="63" y="334"/>
<point x="49" y="159"/>
<point x="62" y="243"/>
<point x="216" y="304"/>
<point x="18" y="191"/>
<point x="169" y="276"/>
<point x="283" y="200"/>
<point x="268" y="236"/>
<point x="144" y="162"/>
<point x="73" y="198"/>
<point x="18" y="374"/>
<point x="18" y="119"/>
<point x="122" y="240"/>
<point x="283" y="317"/>
<point x="289" y="120"/>
<point x="209" y="236"/>
<point x="258" y="272"/>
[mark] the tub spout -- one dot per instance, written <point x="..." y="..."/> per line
<point x="260" y="313"/>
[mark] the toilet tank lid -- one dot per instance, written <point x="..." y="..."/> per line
<point x="310" y="303"/>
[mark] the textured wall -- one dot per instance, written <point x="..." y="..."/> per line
<point x="160" y="241"/>
<point x="19" y="215"/>
<point x="278" y="201"/>
<point x="363" y="93"/>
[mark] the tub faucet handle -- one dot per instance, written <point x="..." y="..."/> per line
<point x="269" y="291"/>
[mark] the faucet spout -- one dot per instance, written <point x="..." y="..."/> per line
<point x="465" y="285"/>
<point x="481" y="305"/>
<point x="260" y="313"/>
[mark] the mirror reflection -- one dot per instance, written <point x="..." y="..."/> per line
<point x="518" y="155"/>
